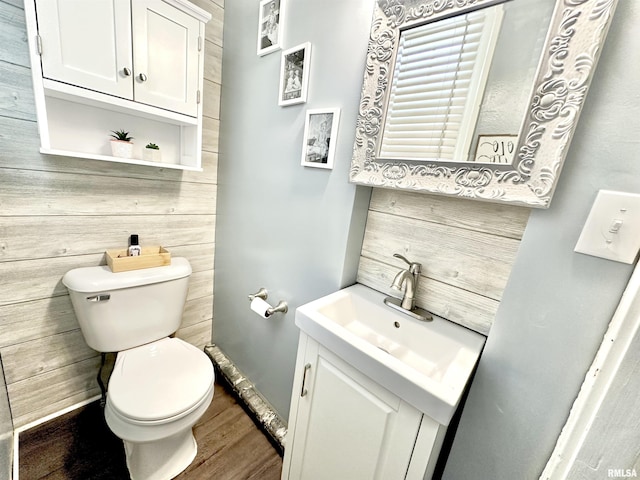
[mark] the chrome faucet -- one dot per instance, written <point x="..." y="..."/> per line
<point x="406" y="281"/>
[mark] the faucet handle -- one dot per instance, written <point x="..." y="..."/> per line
<point x="414" y="267"/>
<point x="397" y="255"/>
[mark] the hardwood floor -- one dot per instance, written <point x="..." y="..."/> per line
<point x="80" y="446"/>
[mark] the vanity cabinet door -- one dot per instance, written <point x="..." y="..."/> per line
<point x="166" y="45"/>
<point x="87" y="44"/>
<point x="344" y="425"/>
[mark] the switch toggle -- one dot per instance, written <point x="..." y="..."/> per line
<point x="615" y="225"/>
<point x="612" y="229"/>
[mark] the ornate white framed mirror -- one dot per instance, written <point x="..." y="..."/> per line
<point x="475" y="98"/>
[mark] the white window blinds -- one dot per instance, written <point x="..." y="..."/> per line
<point x="436" y="90"/>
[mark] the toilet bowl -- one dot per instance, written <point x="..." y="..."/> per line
<point x="160" y="386"/>
<point x="156" y="393"/>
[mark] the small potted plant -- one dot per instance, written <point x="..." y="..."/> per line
<point x="121" y="145"/>
<point x="151" y="153"/>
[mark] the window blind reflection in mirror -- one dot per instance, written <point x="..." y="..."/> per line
<point x="438" y="81"/>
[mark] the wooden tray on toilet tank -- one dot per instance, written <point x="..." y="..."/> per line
<point x="119" y="261"/>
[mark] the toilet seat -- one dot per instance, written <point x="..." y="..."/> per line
<point x="160" y="382"/>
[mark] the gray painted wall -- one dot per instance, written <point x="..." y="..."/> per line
<point x="295" y="230"/>
<point x="558" y="303"/>
<point x="556" y="306"/>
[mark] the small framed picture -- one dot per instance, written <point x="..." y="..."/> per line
<point x="270" y="26"/>
<point x="320" y="132"/>
<point x="496" y="149"/>
<point x="294" y="75"/>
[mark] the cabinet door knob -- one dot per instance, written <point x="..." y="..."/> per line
<point x="142" y="77"/>
<point x="126" y="72"/>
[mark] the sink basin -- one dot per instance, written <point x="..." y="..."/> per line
<point x="427" y="364"/>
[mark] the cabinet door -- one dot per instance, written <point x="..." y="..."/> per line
<point x="348" y="426"/>
<point x="166" y="56"/>
<point x="87" y="44"/>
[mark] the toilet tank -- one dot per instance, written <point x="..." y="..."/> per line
<point x="117" y="311"/>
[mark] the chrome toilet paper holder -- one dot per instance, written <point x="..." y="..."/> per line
<point x="281" y="307"/>
<point x="262" y="293"/>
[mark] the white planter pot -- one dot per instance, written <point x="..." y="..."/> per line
<point x="151" y="155"/>
<point x="121" y="149"/>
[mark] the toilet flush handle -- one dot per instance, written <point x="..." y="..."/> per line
<point x="103" y="297"/>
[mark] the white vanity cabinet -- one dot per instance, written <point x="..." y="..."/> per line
<point x="105" y="65"/>
<point x="344" y="425"/>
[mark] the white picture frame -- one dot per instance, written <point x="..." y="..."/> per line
<point x="270" y="26"/>
<point x="294" y="75"/>
<point x="320" y="136"/>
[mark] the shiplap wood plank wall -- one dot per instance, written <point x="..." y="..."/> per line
<point x="58" y="213"/>
<point x="466" y="249"/>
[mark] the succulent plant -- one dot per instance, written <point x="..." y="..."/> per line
<point x="152" y="146"/>
<point x="121" y="135"/>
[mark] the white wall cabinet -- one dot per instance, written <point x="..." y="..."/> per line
<point x="344" y="425"/>
<point x="107" y="65"/>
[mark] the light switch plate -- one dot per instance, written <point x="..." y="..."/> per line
<point x="612" y="230"/>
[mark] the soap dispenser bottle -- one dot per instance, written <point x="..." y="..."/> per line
<point x="134" y="246"/>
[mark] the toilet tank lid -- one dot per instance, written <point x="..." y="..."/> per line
<point x="101" y="279"/>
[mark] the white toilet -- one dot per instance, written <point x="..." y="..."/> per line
<point x="160" y="386"/>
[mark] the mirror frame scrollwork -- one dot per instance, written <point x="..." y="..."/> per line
<point x="572" y="47"/>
